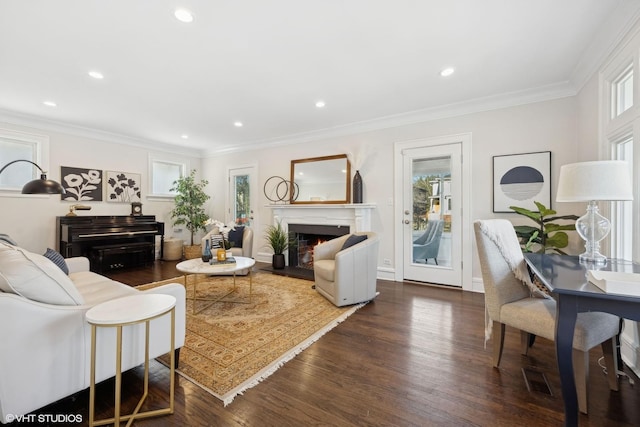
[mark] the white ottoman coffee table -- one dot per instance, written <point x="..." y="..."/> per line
<point x="197" y="266"/>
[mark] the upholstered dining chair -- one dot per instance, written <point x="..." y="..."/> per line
<point x="426" y="247"/>
<point x="511" y="300"/>
<point x="345" y="268"/>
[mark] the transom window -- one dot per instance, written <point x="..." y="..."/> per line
<point x="622" y="92"/>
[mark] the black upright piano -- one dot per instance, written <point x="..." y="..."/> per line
<point x="110" y="242"/>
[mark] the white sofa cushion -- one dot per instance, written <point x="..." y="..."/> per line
<point x="96" y="288"/>
<point x="35" y="277"/>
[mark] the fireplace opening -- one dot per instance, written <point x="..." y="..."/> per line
<point x="306" y="237"/>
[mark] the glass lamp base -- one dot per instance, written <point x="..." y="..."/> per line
<point x="593" y="227"/>
<point x="593" y="258"/>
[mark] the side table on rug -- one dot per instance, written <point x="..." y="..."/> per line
<point x="197" y="266"/>
<point x="126" y="311"/>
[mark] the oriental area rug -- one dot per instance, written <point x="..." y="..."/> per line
<point x="231" y="347"/>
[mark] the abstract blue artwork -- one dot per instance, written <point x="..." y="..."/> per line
<point x="521" y="179"/>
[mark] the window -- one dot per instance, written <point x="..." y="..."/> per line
<point x="162" y="173"/>
<point x="619" y="134"/>
<point x="21" y="146"/>
<point x="623" y="211"/>
<point x="622" y="92"/>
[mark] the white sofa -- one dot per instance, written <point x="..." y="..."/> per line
<point x="45" y="347"/>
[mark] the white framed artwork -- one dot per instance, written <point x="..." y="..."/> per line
<point x="520" y="180"/>
<point x="123" y="187"/>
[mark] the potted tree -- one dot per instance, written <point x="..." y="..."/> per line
<point x="189" y="209"/>
<point x="278" y="241"/>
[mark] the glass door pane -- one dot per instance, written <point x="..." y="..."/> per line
<point x="241" y="209"/>
<point x="432" y="211"/>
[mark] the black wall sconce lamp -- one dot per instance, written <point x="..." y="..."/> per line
<point x="38" y="186"/>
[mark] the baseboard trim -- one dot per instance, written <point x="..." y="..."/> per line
<point x="630" y="352"/>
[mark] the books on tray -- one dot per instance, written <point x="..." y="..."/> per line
<point x="614" y="282"/>
<point x="230" y="260"/>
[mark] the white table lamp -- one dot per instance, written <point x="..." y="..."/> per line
<point x="590" y="182"/>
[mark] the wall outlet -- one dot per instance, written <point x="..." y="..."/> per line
<point x="386" y="261"/>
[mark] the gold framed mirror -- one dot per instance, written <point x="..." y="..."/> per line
<point x="321" y="180"/>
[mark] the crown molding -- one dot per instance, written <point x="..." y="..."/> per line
<point x="41" y="124"/>
<point x="493" y="102"/>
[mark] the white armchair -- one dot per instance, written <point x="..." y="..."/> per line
<point x="347" y="276"/>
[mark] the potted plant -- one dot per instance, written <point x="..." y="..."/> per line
<point x="540" y="238"/>
<point x="278" y="241"/>
<point x="189" y="209"/>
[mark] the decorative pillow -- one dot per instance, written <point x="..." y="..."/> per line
<point x="353" y="240"/>
<point x="9" y="240"/>
<point x="216" y="241"/>
<point x="57" y="259"/>
<point x="235" y="236"/>
<point x="35" y="277"/>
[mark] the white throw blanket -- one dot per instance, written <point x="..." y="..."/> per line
<point x="504" y="237"/>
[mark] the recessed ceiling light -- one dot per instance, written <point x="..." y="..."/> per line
<point x="237" y="124"/>
<point x="446" y="72"/>
<point x="184" y="136"/>
<point x="320" y="104"/>
<point x="183" y="15"/>
<point x="96" y="75"/>
<point x="50" y="103"/>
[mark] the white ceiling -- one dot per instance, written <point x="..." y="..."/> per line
<point x="266" y="63"/>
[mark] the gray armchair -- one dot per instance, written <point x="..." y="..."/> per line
<point x="426" y="247"/>
<point x="346" y="276"/>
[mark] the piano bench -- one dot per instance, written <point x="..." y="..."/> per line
<point x="113" y="257"/>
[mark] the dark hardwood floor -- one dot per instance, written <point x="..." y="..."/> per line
<point x="412" y="357"/>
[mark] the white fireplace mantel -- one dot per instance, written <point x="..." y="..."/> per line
<point x="356" y="215"/>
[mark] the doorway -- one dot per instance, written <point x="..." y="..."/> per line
<point x="242" y="195"/>
<point x="431" y="190"/>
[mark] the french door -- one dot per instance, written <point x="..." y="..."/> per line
<point x="242" y="195"/>
<point x="431" y="215"/>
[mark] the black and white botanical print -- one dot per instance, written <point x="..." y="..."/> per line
<point x="123" y="187"/>
<point x="81" y="184"/>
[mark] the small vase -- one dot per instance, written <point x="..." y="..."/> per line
<point x="357" y="188"/>
<point x="206" y="255"/>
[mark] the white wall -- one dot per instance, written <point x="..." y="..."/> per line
<point x="30" y="220"/>
<point x="545" y="126"/>
<point x="550" y="125"/>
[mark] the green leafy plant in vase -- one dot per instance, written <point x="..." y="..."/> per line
<point x="189" y="208"/>
<point x="278" y="240"/>
<point x="546" y="236"/>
